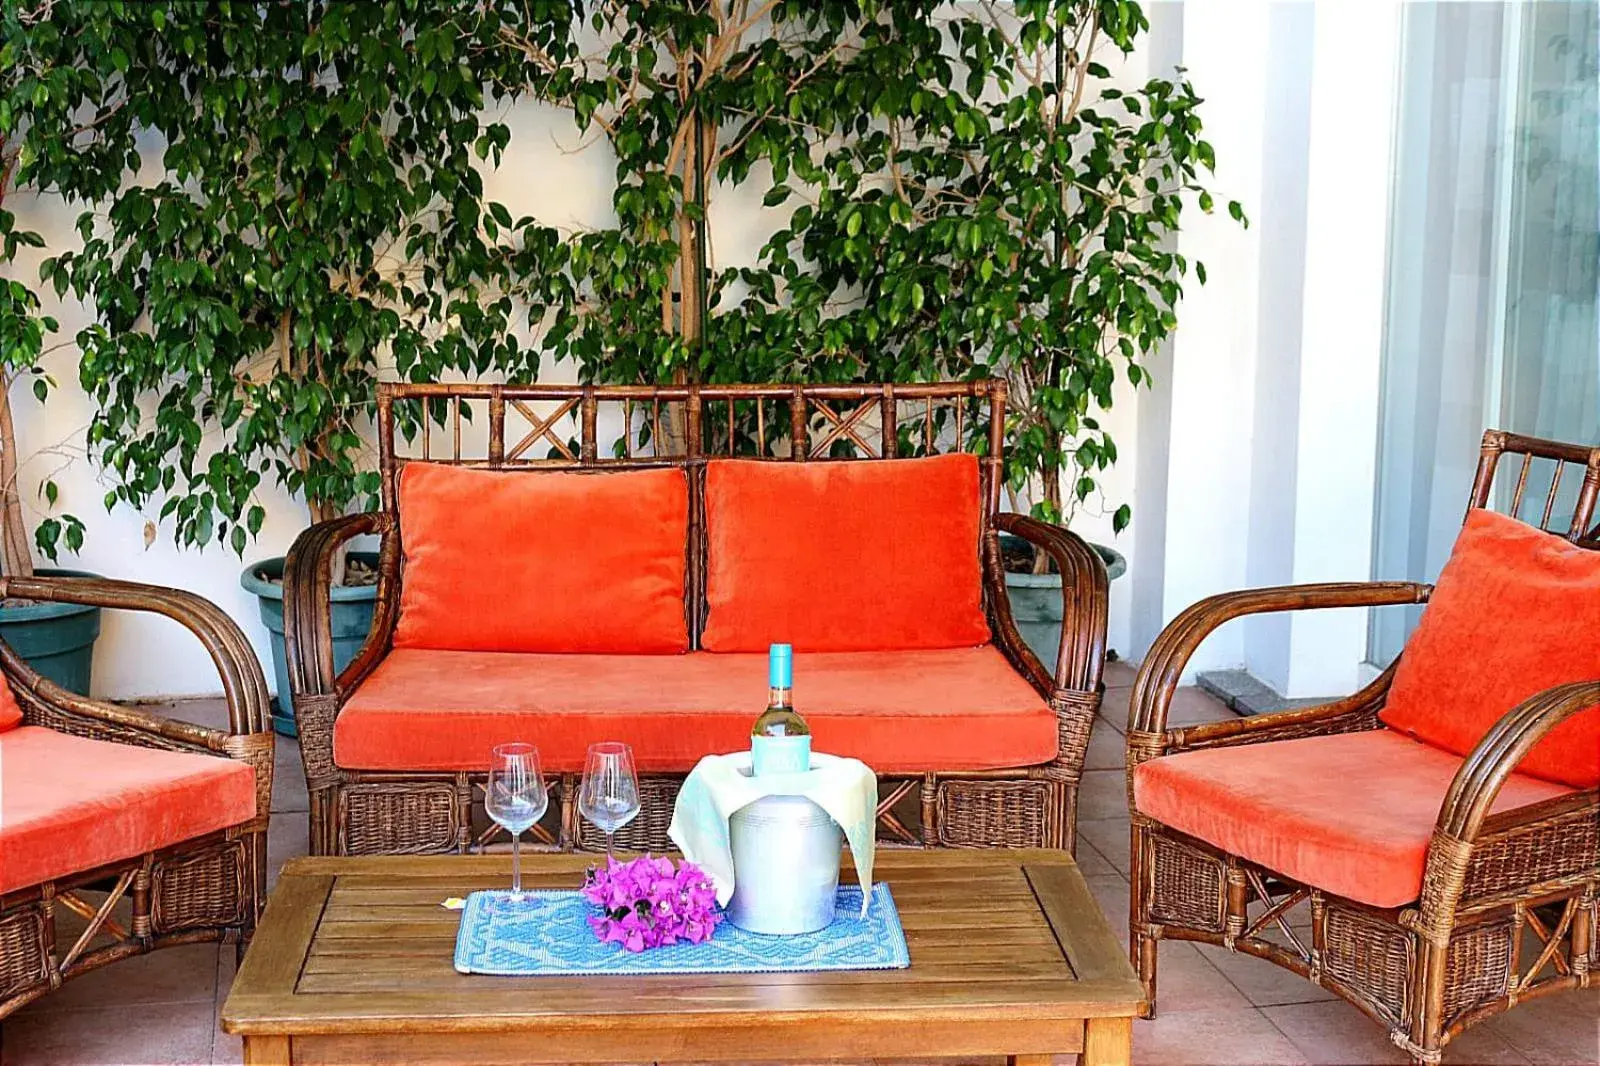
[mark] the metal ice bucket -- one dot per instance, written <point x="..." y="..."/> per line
<point x="785" y="866"/>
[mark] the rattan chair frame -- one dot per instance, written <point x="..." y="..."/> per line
<point x="355" y="812"/>
<point x="209" y="888"/>
<point x="1507" y="909"/>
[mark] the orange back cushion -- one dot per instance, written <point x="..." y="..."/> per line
<point x="541" y="561"/>
<point x="1515" y="611"/>
<point x="10" y="712"/>
<point x="843" y="556"/>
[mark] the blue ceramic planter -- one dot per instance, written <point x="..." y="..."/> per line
<point x="1036" y="600"/>
<point x="352" y="621"/>
<point x="56" y="639"/>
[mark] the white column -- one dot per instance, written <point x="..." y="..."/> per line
<point x="1352" y="127"/>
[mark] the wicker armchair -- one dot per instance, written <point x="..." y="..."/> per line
<point x="206" y="888"/>
<point x="1493" y="883"/>
<point x="375" y="812"/>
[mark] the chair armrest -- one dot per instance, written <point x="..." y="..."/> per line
<point x="1084" y="599"/>
<point x="242" y="682"/>
<point x="307" y="602"/>
<point x="1162" y="668"/>
<point x="1473" y="791"/>
<point x="243" y="685"/>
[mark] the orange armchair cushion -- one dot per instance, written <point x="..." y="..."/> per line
<point x="1514" y="612"/>
<point x="543" y="562"/>
<point x="843" y="556"/>
<point x="900" y="712"/>
<point x="10" y="710"/>
<point x="71" y="804"/>
<point x="1350" y="813"/>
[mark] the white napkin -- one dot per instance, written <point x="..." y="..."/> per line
<point x="720" y="785"/>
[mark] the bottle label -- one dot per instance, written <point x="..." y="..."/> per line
<point x="779" y="755"/>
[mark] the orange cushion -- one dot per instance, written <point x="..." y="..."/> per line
<point x="539" y="561"/>
<point x="10" y="711"/>
<point x="1514" y="612"/>
<point x="69" y="804"/>
<point x="1350" y="813"/>
<point x="843" y="556"/>
<point x="908" y="711"/>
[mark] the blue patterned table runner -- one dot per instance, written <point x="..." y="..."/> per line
<point x="546" y="933"/>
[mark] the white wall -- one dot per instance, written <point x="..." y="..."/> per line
<point x="1268" y="427"/>
<point x="1248" y="463"/>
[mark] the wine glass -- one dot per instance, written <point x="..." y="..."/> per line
<point x="515" y="798"/>
<point x="609" y="795"/>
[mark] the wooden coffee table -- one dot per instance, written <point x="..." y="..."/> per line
<point x="1009" y="956"/>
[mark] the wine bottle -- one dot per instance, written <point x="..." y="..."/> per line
<point x="780" y="740"/>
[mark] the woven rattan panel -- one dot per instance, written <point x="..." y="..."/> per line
<point x="23" y="958"/>
<point x="1477" y="967"/>
<point x="205" y="889"/>
<point x="1009" y="814"/>
<point x="1554" y="848"/>
<point x="1369" y="956"/>
<point x="394" y="819"/>
<point x="1187" y="886"/>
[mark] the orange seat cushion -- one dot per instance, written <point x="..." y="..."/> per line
<point x="539" y="561"/>
<point x="70" y="804"/>
<point x="907" y="711"/>
<point x="1515" y="611"/>
<point x="10" y="711"/>
<point x="1350" y="813"/>
<point x="843" y="556"/>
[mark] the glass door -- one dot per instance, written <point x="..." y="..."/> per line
<point x="1494" y="243"/>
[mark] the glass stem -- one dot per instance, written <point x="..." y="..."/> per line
<point x="609" y="834"/>
<point x="516" y="864"/>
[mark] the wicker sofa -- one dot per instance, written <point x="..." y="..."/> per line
<point x="102" y="804"/>
<point x="877" y="557"/>
<point x="1429" y="847"/>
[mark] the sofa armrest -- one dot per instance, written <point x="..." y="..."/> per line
<point x="1473" y="790"/>
<point x="1162" y="668"/>
<point x="307" y="603"/>
<point x="1084" y="600"/>
<point x="248" y="738"/>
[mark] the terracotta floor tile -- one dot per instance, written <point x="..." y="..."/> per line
<point x="289" y="779"/>
<point x="1335" y="1033"/>
<point x="1103" y="795"/>
<point x="185" y="974"/>
<point x="1558" y="1030"/>
<point x="1262" y="983"/>
<point x="1114" y="709"/>
<point x="1191" y="706"/>
<point x="156" y="1034"/>
<point x="1093" y="864"/>
<point x="288" y="835"/>
<point x="1186" y="981"/>
<point x="1112" y="895"/>
<point x="1119" y="674"/>
<point x="1107" y="749"/>
<point x="1110" y="838"/>
<point x="1213" y="1038"/>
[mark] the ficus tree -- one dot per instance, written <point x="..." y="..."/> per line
<point x="957" y="190"/>
<point x="62" y="132"/>
<point x="310" y="213"/>
<point x="954" y="190"/>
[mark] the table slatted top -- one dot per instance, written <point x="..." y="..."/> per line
<point x="352" y="945"/>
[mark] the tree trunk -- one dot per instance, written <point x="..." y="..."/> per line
<point x="16" y="555"/>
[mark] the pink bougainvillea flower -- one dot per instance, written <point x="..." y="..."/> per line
<point x="648" y="902"/>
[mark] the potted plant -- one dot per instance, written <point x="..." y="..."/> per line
<point x="60" y="132"/>
<point x="314" y="217"/>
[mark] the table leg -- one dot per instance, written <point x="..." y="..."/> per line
<point x="1108" y="1042"/>
<point x="266" y="1051"/>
